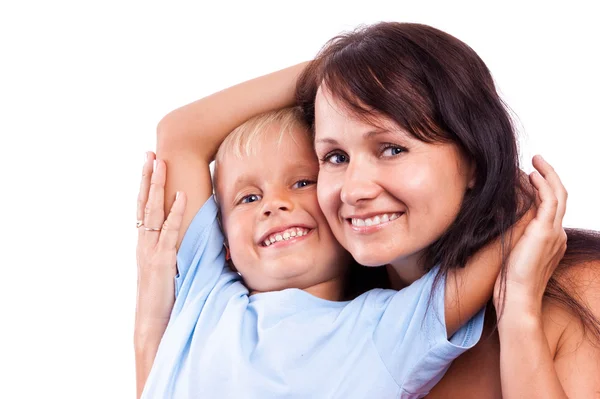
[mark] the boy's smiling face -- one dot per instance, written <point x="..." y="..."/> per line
<point x="277" y="234"/>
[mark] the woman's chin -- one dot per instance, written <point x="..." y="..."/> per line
<point x="371" y="260"/>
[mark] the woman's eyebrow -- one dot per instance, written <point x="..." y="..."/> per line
<point x="369" y="135"/>
<point x="375" y="132"/>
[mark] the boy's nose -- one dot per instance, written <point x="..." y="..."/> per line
<point x="277" y="204"/>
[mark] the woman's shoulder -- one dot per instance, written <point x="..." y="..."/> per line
<point x="575" y="341"/>
<point x="582" y="281"/>
<point x="562" y="321"/>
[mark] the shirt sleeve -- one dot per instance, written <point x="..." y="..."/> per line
<point x="411" y="335"/>
<point x="201" y="257"/>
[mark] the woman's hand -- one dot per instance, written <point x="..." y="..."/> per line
<point x="536" y="255"/>
<point x="156" y="251"/>
<point x="156" y="263"/>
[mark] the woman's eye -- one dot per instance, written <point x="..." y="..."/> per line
<point x="249" y="198"/>
<point x="336" y="158"/>
<point x="303" y="183"/>
<point x="392" y="150"/>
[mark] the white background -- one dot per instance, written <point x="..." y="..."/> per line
<point x="83" y="85"/>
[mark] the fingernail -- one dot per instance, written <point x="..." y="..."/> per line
<point x="154" y="165"/>
<point x="177" y="195"/>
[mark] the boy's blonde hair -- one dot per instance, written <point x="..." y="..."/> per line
<point x="245" y="140"/>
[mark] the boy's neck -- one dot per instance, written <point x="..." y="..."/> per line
<point x="331" y="290"/>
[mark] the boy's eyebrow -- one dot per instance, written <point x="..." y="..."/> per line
<point x="326" y="140"/>
<point x="303" y="166"/>
<point x="242" y="180"/>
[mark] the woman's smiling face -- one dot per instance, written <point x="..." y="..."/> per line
<point x="386" y="195"/>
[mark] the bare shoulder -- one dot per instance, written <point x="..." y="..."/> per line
<point x="583" y="282"/>
<point x="575" y="346"/>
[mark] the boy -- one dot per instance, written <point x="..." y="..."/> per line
<point x="284" y="330"/>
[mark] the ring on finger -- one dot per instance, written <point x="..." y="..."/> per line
<point x="152" y="228"/>
<point x="139" y="223"/>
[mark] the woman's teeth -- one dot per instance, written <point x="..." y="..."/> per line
<point x="373" y="221"/>
<point x="285" y="235"/>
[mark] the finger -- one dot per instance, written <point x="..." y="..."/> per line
<point x="145" y="185"/>
<point x="170" y="231"/>
<point x="548" y="203"/>
<point x="154" y="213"/>
<point x="548" y="172"/>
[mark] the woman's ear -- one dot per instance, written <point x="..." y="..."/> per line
<point x="472" y="175"/>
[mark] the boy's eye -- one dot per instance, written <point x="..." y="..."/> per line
<point x="249" y="198"/>
<point x="335" y="158"/>
<point x="303" y="183"/>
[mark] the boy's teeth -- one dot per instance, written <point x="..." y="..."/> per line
<point x="285" y="235"/>
<point x="375" y="220"/>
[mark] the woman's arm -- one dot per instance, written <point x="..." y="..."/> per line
<point x="557" y="359"/>
<point x="570" y="366"/>
<point x="526" y="363"/>
<point x="189" y="137"/>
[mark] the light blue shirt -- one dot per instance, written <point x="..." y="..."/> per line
<point x="223" y="343"/>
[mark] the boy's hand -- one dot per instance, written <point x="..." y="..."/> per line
<point x="156" y="251"/>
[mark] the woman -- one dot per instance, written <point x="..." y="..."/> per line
<point x="431" y="245"/>
<point x="410" y="89"/>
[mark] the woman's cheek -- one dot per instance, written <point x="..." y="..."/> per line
<point x="326" y="194"/>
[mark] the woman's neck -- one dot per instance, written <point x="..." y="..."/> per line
<point x="403" y="272"/>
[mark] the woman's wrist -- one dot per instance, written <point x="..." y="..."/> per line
<point x="520" y="317"/>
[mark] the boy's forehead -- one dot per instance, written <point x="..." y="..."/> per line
<point x="273" y="160"/>
<point x="272" y="142"/>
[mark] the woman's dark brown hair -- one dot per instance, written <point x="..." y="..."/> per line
<point x="438" y="89"/>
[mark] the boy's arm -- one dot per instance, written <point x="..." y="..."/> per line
<point x="538" y="242"/>
<point x="471" y="287"/>
<point x="189" y="137"/>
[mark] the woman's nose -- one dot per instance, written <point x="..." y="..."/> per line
<point x="359" y="185"/>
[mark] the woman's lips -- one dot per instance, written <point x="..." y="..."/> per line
<point x="373" y="223"/>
